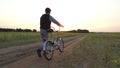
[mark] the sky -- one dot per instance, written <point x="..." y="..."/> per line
<point x="93" y="15"/>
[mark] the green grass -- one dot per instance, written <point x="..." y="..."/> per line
<point x="18" y="38"/>
<point x="95" y="51"/>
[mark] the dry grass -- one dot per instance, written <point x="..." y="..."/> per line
<point x="96" y="51"/>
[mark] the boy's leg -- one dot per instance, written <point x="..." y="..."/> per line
<point x="44" y="35"/>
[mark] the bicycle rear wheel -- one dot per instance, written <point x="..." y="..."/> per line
<point x="48" y="53"/>
<point x="60" y="44"/>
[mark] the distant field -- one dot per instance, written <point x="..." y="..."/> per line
<point x="18" y="38"/>
<point x="96" y="51"/>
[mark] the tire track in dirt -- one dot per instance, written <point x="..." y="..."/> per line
<point x="67" y="51"/>
<point x="34" y="61"/>
<point x="15" y="53"/>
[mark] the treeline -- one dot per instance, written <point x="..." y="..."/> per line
<point x="79" y="31"/>
<point x="16" y="30"/>
<point x="34" y="30"/>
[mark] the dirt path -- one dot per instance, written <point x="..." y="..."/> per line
<point x="33" y="61"/>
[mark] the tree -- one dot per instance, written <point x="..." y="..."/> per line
<point x="34" y="30"/>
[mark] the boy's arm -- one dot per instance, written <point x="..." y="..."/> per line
<point x="55" y="21"/>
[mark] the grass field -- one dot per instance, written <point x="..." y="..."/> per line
<point x="18" y="38"/>
<point x="95" y="51"/>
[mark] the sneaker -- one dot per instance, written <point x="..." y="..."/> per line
<point x="39" y="52"/>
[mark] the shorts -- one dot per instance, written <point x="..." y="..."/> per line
<point x="44" y="34"/>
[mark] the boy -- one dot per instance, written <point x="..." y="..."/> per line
<point x="45" y="23"/>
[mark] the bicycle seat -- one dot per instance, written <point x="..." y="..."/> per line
<point x="50" y="30"/>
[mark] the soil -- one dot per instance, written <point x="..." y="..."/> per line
<point x="25" y="56"/>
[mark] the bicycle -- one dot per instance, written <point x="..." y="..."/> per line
<point x="54" y="43"/>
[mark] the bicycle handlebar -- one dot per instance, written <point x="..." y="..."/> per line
<point x="55" y="29"/>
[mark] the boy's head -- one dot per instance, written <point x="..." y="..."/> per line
<point x="48" y="10"/>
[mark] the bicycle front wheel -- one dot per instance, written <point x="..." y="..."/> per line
<point x="48" y="53"/>
<point x="60" y="43"/>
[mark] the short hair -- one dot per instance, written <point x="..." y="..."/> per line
<point x="47" y="10"/>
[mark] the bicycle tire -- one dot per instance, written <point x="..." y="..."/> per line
<point x="49" y="51"/>
<point x="60" y="44"/>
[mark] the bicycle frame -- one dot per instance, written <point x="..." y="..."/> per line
<point x="51" y="38"/>
<point x="56" y="32"/>
<point x="50" y="45"/>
